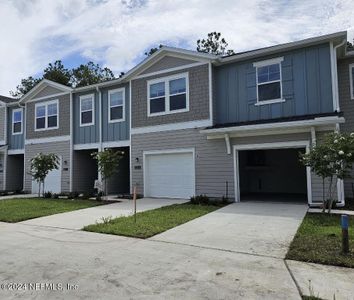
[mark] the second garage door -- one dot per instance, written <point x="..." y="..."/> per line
<point x="169" y="175"/>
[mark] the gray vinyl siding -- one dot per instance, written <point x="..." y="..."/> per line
<point x="168" y="62"/>
<point x="198" y="99"/>
<point x="85" y="134"/>
<point x="214" y="167"/>
<point x="16" y="141"/>
<point x="2" y="171"/>
<point x="118" y="131"/>
<point x="346" y="105"/>
<point x="64" y="119"/>
<point x="47" y="92"/>
<point x="14" y="172"/>
<point x="2" y="123"/>
<point x="306" y="85"/>
<point x="61" y="149"/>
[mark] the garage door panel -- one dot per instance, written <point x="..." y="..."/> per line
<point x="169" y="175"/>
<point x="52" y="182"/>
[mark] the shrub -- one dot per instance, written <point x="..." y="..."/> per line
<point x="200" y="199"/>
<point x="55" y="196"/>
<point x="47" y="195"/>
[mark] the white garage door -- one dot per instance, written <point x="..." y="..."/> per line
<point x="169" y="175"/>
<point x="52" y="182"/>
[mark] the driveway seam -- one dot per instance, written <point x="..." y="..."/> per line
<point x="213" y="248"/>
<point x="293" y="278"/>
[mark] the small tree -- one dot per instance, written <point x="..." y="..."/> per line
<point x="214" y="44"/>
<point x="41" y="165"/>
<point x="107" y="162"/>
<point x="332" y="159"/>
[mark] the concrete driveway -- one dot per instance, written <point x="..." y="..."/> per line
<point x="77" y="219"/>
<point x="262" y="228"/>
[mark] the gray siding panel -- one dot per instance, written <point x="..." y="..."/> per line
<point x="118" y="131"/>
<point x="306" y="84"/>
<point x="198" y="99"/>
<point x="168" y="62"/>
<point x="64" y="119"/>
<point x="85" y="134"/>
<point x="15" y="141"/>
<point x="47" y="92"/>
<point x="2" y="123"/>
<point x="2" y="170"/>
<point x="59" y="148"/>
<point x="347" y="107"/>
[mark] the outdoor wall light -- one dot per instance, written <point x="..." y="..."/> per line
<point x="137" y="159"/>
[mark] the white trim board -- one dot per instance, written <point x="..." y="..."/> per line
<point x="169" y="151"/>
<point x="116" y="144"/>
<point x="15" y="151"/>
<point x="266" y="146"/>
<point x="172" y="126"/>
<point x="87" y="146"/>
<point x="63" y="138"/>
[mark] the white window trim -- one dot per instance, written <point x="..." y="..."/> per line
<point x="110" y="92"/>
<point x="166" y="81"/>
<point x="13" y="123"/>
<point x="92" y="96"/>
<point x="46" y="115"/>
<point x="351" y="66"/>
<point x="264" y="63"/>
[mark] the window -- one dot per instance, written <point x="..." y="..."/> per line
<point x="351" y="76"/>
<point x="47" y="115"/>
<point x="168" y="95"/>
<point x="269" y="86"/>
<point x="17" y="121"/>
<point x="116" y="104"/>
<point x="87" y="110"/>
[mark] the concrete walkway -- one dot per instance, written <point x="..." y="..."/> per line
<point x="18" y="196"/>
<point x="261" y="228"/>
<point x="79" y="218"/>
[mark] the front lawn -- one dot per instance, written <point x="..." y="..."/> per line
<point x="152" y="222"/>
<point x="319" y="240"/>
<point x="16" y="210"/>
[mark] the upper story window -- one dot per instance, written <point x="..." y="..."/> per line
<point x="168" y="95"/>
<point x="87" y="110"/>
<point x="17" y="121"/>
<point x="116" y="105"/>
<point x="47" y="114"/>
<point x="269" y="81"/>
<point x="351" y="77"/>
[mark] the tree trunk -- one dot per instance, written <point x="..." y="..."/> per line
<point x="323" y="195"/>
<point x="39" y="189"/>
<point x="330" y="195"/>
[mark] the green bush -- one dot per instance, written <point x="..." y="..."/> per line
<point x="200" y="199"/>
<point x="47" y="195"/>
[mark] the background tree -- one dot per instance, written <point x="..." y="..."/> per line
<point x="26" y="85"/>
<point x="41" y="165"/>
<point x="90" y="73"/>
<point x="331" y="159"/>
<point x="214" y="44"/>
<point x="107" y="162"/>
<point x="153" y="50"/>
<point x="58" y="73"/>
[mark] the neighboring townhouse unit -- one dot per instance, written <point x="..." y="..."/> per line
<point x="346" y="101"/>
<point x="191" y="123"/>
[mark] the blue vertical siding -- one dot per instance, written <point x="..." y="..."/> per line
<point x="16" y="141"/>
<point x="306" y="86"/>
<point x="115" y="131"/>
<point x="85" y="134"/>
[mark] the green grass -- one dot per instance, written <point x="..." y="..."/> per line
<point x="16" y="210"/>
<point x="319" y="240"/>
<point x="152" y="222"/>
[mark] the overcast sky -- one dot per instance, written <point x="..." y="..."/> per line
<point x="116" y="33"/>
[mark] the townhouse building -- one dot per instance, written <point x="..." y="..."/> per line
<point x="193" y="123"/>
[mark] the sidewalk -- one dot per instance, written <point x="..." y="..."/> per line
<point x="18" y="196"/>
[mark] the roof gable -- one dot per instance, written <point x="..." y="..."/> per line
<point x="46" y="88"/>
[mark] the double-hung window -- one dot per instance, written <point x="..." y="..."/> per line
<point x="87" y="110"/>
<point x="351" y="77"/>
<point x="47" y="114"/>
<point x="168" y="95"/>
<point x="116" y="104"/>
<point x="17" y="121"/>
<point x="269" y="81"/>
